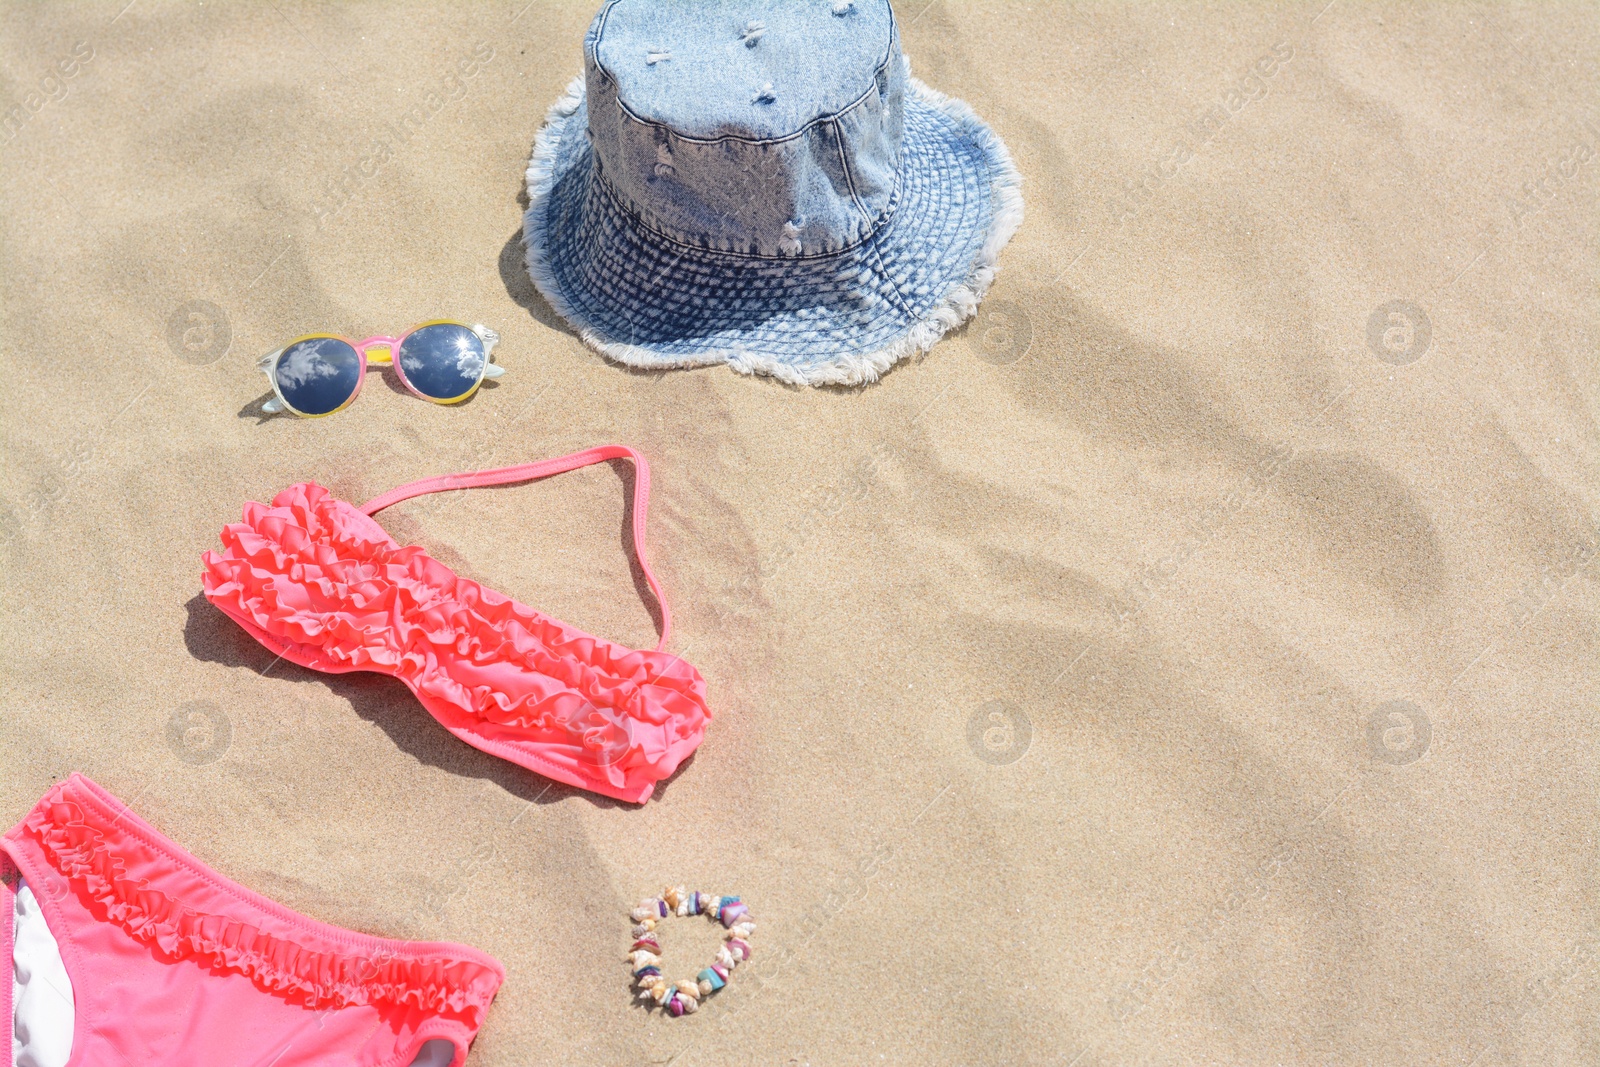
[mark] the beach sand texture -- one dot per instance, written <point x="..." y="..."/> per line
<point x="1191" y="661"/>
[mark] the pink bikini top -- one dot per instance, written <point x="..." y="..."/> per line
<point x="317" y="581"/>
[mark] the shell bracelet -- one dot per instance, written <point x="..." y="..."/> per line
<point x="683" y="998"/>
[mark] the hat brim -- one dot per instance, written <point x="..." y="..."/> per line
<point x="641" y="298"/>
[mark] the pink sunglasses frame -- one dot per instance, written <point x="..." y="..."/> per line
<point x="391" y="345"/>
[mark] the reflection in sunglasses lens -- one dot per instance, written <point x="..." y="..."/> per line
<point x="443" y="361"/>
<point x="318" y="375"/>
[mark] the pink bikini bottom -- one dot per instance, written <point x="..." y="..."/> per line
<point x="172" y="964"/>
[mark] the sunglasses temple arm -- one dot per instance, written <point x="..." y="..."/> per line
<point x="490" y="338"/>
<point x="267" y="364"/>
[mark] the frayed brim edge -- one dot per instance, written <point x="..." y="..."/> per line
<point x="844" y="368"/>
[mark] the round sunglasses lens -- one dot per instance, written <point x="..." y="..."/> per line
<point x="319" y="375"/>
<point x="443" y="361"/>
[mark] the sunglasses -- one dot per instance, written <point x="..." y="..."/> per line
<point x="320" y="374"/>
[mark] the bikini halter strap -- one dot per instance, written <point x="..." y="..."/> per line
<point x="527" y="472"/>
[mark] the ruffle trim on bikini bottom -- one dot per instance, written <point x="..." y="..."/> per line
<point x="318" y="978"/>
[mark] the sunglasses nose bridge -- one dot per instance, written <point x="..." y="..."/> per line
<point x="385" y="345"/>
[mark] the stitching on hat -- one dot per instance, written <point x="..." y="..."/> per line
<point x="657" y="55"/>
<point x="843" y="7"/>
<point x="894" y="286"/>
<point x="753" y="33"/>
<point x="591" y="40"/>
<point x="801" y="132"/>
<point x="849" y="176"/>
<point x="764" y="95"/>
<point x="757" y="141"/>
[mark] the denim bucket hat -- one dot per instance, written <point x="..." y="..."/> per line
<point x="762" y="183"/>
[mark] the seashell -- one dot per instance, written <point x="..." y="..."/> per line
<point x="645" y="958"/>
<point x="644" y="993"/>
<point x="733" y="913"/>
<point x="644" y="928"/>
<point x="690" y="1005"/>
<point x="641" y="913"/>
<point x="648" y="944"/>
<point x="740" y="949"/>
<point x="661" y="907"/>
<point x="706" y="987"/>
<point x="726" y="958"/>
<point x="710" y="977"/>
<point x="659" y="992"/>
<point x="671" y="897"/>
<point x="696" y="903"/>
<point x="683" y="905"/>
<point x="742" y="929"/>
<point x="675" y="1006"/>
<point x="720" y="971"/>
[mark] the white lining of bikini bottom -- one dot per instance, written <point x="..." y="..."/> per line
<point x="41" y="992"/>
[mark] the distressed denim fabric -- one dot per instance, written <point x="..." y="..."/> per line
<point x="761" y="182"/>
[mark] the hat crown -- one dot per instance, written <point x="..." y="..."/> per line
<point x="763" y="127"/>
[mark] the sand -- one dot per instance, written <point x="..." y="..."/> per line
<point x="1194" y="661"/>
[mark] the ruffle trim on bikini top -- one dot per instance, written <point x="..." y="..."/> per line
<point x="79" y="849"/>
<point x="314" y="571"/>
